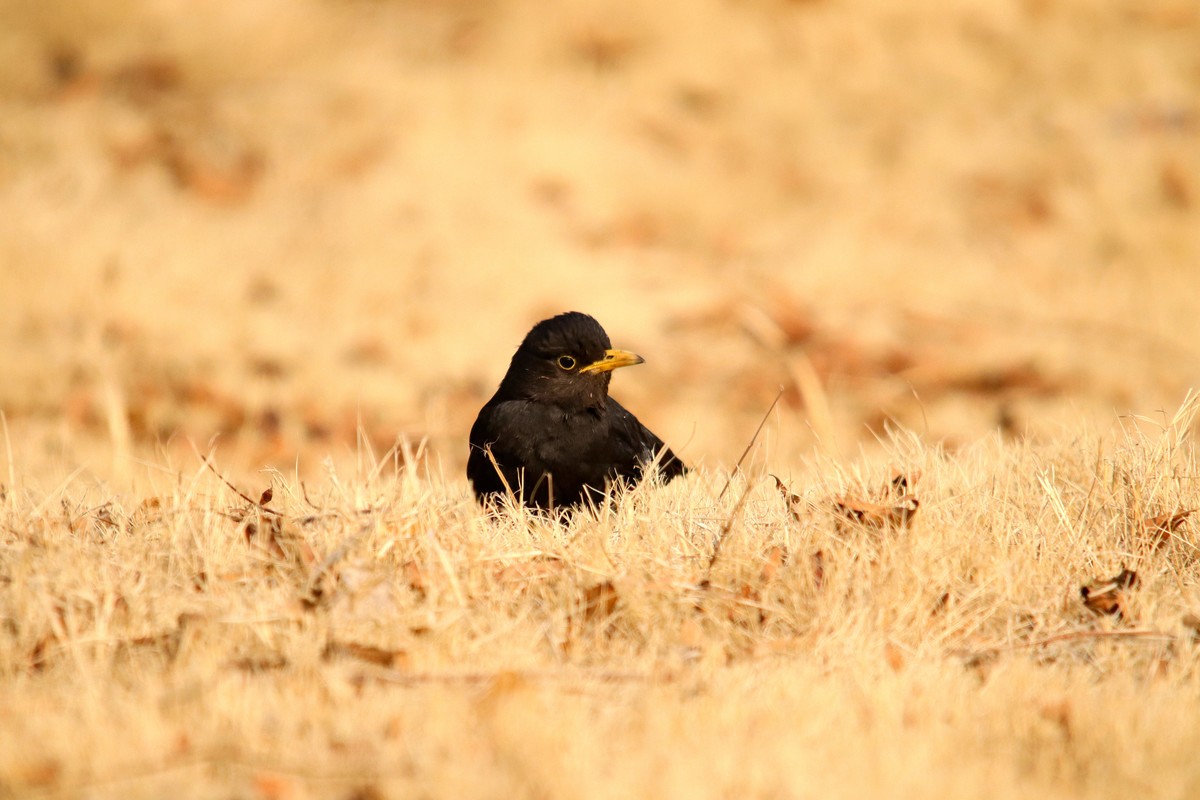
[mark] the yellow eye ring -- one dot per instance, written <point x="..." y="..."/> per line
<point x="566" y="362"/>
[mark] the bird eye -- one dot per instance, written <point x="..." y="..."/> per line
<point x="566" y="362"/>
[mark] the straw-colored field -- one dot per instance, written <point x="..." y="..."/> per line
<point x="292" y="245"/>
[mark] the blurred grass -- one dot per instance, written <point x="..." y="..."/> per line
<point x="293" y="205"/>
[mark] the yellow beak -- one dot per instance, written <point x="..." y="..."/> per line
<point x="612" y="360"/>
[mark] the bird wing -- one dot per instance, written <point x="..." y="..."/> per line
<point x="643" y="445"/>
<point x="485" y="436"/>
<point x="513" y="432"/>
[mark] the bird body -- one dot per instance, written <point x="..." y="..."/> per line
<point x="551" y="434"/>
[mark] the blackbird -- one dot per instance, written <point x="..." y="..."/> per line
<point x="556" y="438"/>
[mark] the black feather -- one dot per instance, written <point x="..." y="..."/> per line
<point x="557" y="437"/>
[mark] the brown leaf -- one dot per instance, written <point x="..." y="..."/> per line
<point x="529" y="571"/>
<point x="303" y="550"/>
<point x="367" y="791"/>
<point x="603" y="49"/>
<point x="876" y="515"/>
<point x="38" y="656"/>
<point x="414" y="576"/>
<point x="266" y="496"/>
<point x="167" y="642"/>
<point x="748" y="592"/>
<point x="267" y="367"/>
<point x="145" y="77"/>
<point x="368" y="350"/>
<point x="775" y="558"/>
<point x="260" y="663"/>
<point x="42" y="774"/>
<point x="394" y="728"/>
<point x="364" y="652"/>
<point x="942" y="604"/>
<point x="745" y="608"/>
<point x="224" y="174"/>
<point x="1057" y="712"/>
<point x="691" y="633"/>
<point x="148" y="507"/>
<point x="283" y="544"/>
<point x="794" y="320"/>
<point x="794" y="503"/>
<point x="271" y="786"/>
<point x="499" y="687"/>
<point x="998" y="380"/>
<point x="1110" y="596"/>
<point x="1176" y="183"/>
<point x="904" y="482"/>
<point x="818" y="569"/>
<point x="1161" y="527"/>
<point x="600" y="602"/>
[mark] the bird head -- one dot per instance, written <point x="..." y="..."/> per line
<point x="566" y="360"/>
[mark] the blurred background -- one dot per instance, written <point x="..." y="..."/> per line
<point x="279" y="223"/>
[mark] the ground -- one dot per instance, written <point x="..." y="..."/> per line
<point x="290" y="246"/>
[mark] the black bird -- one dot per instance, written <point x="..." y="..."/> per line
<point x="556" y="436"/>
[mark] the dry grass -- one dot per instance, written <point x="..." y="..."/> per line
<point x="962" y="238"/>
<point x="380" y="634"/>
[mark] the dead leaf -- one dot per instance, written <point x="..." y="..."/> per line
<point x="271" y="786"/>
<point x="904" y="482"/>
<point x="600" y="602"/>
<point x="368" y="350"/>
<point x="818" y="569"/>
<point x="366" y="792"/>
<point x="284" y="544"/>
<point x="414" y="576"/>
<point x="746" y="606"/>
<point x="260" y="663"/>
<point x="691" y="633"/>
<point x="39" y="654"/>
<point x="394" y="728"/>
<point x="42" y="774"/>
<point x="1059" y="713"/>
<point x="219" y="169"/>
<point x="145" y="78"/>
<point x="775" y="558"/>
<point x="997" y="380"/>
<point x="392" y="659"/>
<point x="1110" y="596"/>
<point x="149" y="506"/>
<point x="70" y="72"/>
<point x="266" y="496"/>
<point x="795" y="504"/>
<point x="267" y="367"/>
<point x="603" y="48"/>
<point x="1007" y="421"/>
<point x="877" y="515"/>
<point x="941" y="605"/>
<point x="1161" y="527"/>
<point x="107" y="518"/>
<point x="499" y="687"/>
<point x="794" y="319"/>
<point x="1176" y="184"/>
<point x="528" y="571"/>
